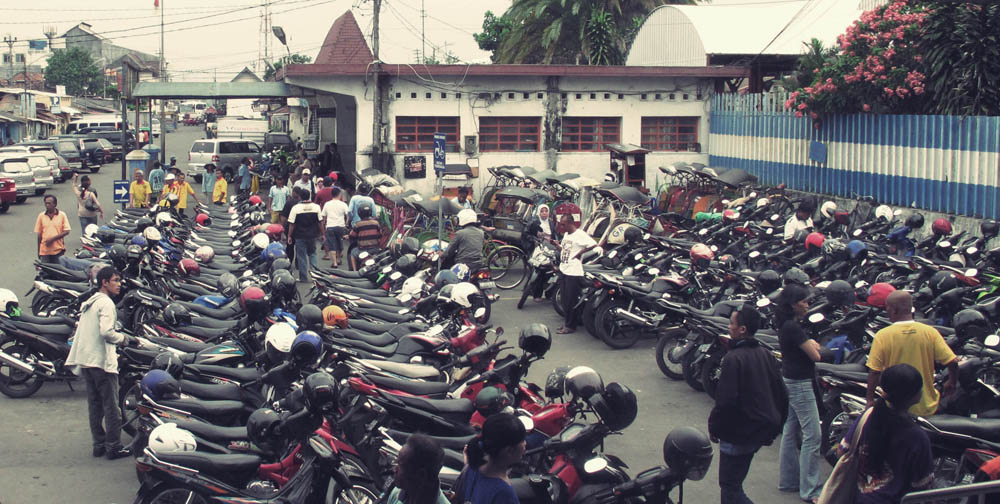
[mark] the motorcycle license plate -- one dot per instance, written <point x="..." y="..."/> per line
<point x="487" y="285"/>
<point x="704" y="347"/>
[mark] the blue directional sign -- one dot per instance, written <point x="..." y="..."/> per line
<point x="121" y="191"/>
<point x="439" y="152"/>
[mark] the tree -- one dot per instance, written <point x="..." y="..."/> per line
<point x="295" y="59"/>
<point x="961" y="58"/>
<point x="494" y="30"/>
<point x="75" y="69"/>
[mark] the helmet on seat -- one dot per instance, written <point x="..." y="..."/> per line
<point x="106" y="235"/>
<point x="878" y="293"/>
<point x="254" y="302"/>
<point x="583" y="382"/>
<point x="281" y="263"/>
<point x="283" y="284"/>
<point x="914" y="221"/>
<point x="307" y="347"/>
<point x="445" y="277"/>
<point x="814" y="241"/>
<point x="278" y="341"/>
<point x="492" y="400"/>
<point x="941" y="227"/>
<point x="139" y="241"/>
<point x="834" y="249"/>
<point x="205" y="253"/>
<point x="536" y="339"/>
<point x="407" y="265"/>
<point x="616" y="406"/>
<point x="118" y="255"/>
<point x="633" y="235"/>
<point x="158" y="384"/>
<point x="274" y="231"/>
<point x="168" y="362"/>
<point x="168" y="438"/>
<point x="335" y="316"/>
<point x="461" y="272"/>
<point x="152" y="234"/>
<point x="839" y="293"/>
<point x="768" y="281"/>
<point x="255" y="200"/>
<point x="827" y="209"/>
<point x="176" y="315"/>
<point x="701" y="255"/>
<point x="857" y="250"/>
<point x="989" y="228"/>
<point x="883" y="212"/>
<point x="9" y="303"/>
<point x="203" y="219"/>
<point x="462" y="294"/>
<point x="189" y="267"/>
<point x="140" y="225"/>
<point x="320" y="392"/>
<point x="796" y="276"/>
<point x="555" y="383"/>
<point x="970" y="324"/>
<point x="309" y="318"/>
<point x="467" y="216"/>
<point x="409" y="245"/>
<point x="275" y="251"/>
<point x="412" y="287"/>
<point x="687" y="451"/>
<point x="941" y="282"/>
<point x="262" y="429"/>
<point x="260" y="241"/>
<point x="228" y="285"/>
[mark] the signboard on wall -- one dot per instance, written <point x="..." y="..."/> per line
<point x="415" y="167"/>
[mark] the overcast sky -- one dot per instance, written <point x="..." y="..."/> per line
<point x="223" y="36"/>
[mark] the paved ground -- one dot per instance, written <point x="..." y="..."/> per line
<point x="45" y="439"/>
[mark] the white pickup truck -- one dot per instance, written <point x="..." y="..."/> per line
<point x="253" y="130"/>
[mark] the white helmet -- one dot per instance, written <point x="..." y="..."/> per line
<point x="883" y="211"/>
<point x="462" y="292"/>
<point x="467" y="216"/>
<point x="90" y="230"/>
<point x="168" y="438"/>
<point x="763" y="202"/>
<point x="152" y="235"/>
<point x="164" y="219"/>
<point x="260" y="240"/>
<point x="827" y="209"/>
<point x="278" y="341"/>
<point x="412" y="286"/>
<point x="205" y="253"/>
<point x="9" y="304"/>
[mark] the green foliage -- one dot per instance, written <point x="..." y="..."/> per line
<point x="295" y="59"/>
<point x="75" y="69"/>
<point x="962" y="58"/>
<point x="494" y="30"/>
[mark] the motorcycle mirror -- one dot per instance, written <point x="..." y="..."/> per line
<point x="752" y="195"/>
<point x="363" y="255"/>
<point x="498" y="331"/>
<point x="816" y="318"/>
<point x="770" y="231"/>
<point x="972" y="250"/>
<point x="971" y="272"/>
<point x="480" y="312"/>
<point x="386" y="269"/>
<point x="665" y="295"/>
<point x="992" y="340"/>
<point x="527" y="422"/>
<point x="395" y="276"/>
<point x="945" y="244"/>
<point x="405" y="298"/>
<point x="702" y="231"/>
<point x="237" y="243"/>
<point x="763" y="302"/>
<point x="638" y="257"/>
<point x="860" y="284"/>
<point x="714" y="248"/>
<point x="654" y="271"/>
<point x="232" y="234"/>
<point x="725" y="202"/>
<point x="756" y="253"/>
<point x="897" y="212"/>
<point x="595" y="465"/>
<point x="369" y="262"/>
<point x="247" y="273"/>
<point x="612" y="254"/>
<point x="856" y="233"/>
<point x="775" y="217"/>
<point x="646" y="236"/>
<point x="824" y="284"/>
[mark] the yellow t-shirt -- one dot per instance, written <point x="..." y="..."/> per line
<point x="49" y="227"/>
<point x="139" y="193"/>
<point x="219" y="193"/>
<point x="918" y="345"/>
<point x="182" y="191"/>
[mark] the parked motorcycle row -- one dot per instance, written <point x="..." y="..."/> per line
<point x="243" y="389"/>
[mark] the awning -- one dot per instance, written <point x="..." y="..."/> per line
<point x="44" y="121"/>
<point x="185" y="90"/>
<point x="69" y="110"/>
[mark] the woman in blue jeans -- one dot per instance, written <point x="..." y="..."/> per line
<point x="799" y="464"/>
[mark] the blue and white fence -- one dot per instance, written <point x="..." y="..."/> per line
<point x="940" y="163"/>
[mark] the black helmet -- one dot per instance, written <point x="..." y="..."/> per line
<point x="535" y="339"/>
<point x="941" y="282"/>
<point x="262" y="429"/>
<point x="492" y="400"/>
<point x="796" y="276"/>
<point x="281" y="263"/>
<point x="320" y="392"/>
<point x="176" y="315"/>
<point x="407" y="265"/>
<point x="142" y="224"/>
<point x="167" y="361"/>
<point x="555" y="383"/>
<point x="118" y="255"/>
<point x="970" y="324"/>
<point x="768" y="281"/>
<point x="309" y="318"/>
<point x="158" y="384"/>
<point x="106" y="235"/>
<point x="617" y="406"/>
<point x="914" y="221"/>
<point x="283" y="284"/>
<point x="583" y="382"/>
<point x="633" y="235"/>
<point x="989" y="228"/>
<point x="688" y="452"/>
<point x="839" y="293"/>
<point x="228" y="285"/>
<point x="410" y="245"/>
<point x="364" y="188"/>
<point x="834" y="249"/>
<point x="365" y="211"/>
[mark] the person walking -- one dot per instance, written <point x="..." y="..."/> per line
<point x="88" y="206"/>
<point x="208" y="180"/>
<point x="489" y="457"/>
<point x="751" y="404"/>
<point x="93" y="351"/>
<point x="415" y="476"/>
<point x="798" y="465"/>
<point x="367" y="233"/>
<point x="277" y="197"/>
<point x="139" y="191"/>
<point x="304" y="228"/>
<point x="306" y="183"/>
<point x="52" y="227"/>
<point x="894" y="452"/>
<point x="359" y="200"/>
<point x="245" y="178"/>
<point x="335" y="214"/>
<point x="324" y="192"/>
<point x="156" y="181"/>
<point x="907" y="341"/>
<point x="575" y="243"/>
<point x="221" y="190"/>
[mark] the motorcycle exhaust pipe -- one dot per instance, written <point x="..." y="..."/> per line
<point x="638" y="319"/>
<point x="18" y="363"/>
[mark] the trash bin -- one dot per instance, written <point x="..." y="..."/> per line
<point x="137" y="159"/>
<point x="154" y="152"/>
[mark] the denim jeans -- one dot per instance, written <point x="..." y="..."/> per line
<point x="102" y="404"/>
<point x="799" y="467"/>
<point x="734" y="465"/>
<point x="305" y="256"/>
<point x="85" y="221"/>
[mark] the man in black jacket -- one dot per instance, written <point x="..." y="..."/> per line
<point x="751" y="404"/>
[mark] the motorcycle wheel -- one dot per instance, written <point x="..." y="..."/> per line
<point x="608" y="330"/>
<point x="526" y="290"/>
<point x="172" y="493"/>
<point x="484" y="303"/>
<point x="128" y="398"/>
<point x="589" y="319"/>
<point x="711" y="368"/>
<point x="692" y="372"/>
<point x="14" y="382"/>
<point x="141" y="315"/>
<point x="363" y="489"/>
<point x="38" y="301"/>
<point x="833" y="426"/>
<point x="666" y="344"/>
<point x="508" y="266"/>
<point x="557" y="301"/>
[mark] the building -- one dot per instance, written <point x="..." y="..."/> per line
<point x="19" y="58"/>
<point x="243" y="107"/>
<point x="108" y="55"/>
<point x="559" y="117"/>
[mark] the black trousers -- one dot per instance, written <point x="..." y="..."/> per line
<point x="571" y="294"/>
<point x="733" y="470"/>
<point x="102" y="405"/>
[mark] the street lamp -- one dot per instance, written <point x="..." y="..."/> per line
<point x="279" y="33"/>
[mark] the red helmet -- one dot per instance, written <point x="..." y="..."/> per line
<point x="275" y="231"/>
<point x="203" y="219"/>
<point x="878" y="292"/>
<point x="255" y="200"/>
<point x="189" y="267"/>
<point x="941" y="227"/>
<point x="701" y="254"/>
<point x="814" y="241"/>
<point x="254" y="302"/>
<point x="729" y="214"/>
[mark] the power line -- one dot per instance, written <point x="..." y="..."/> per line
<point x="118" y="18"/>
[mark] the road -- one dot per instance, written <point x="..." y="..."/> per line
<point x="45" y="438"/>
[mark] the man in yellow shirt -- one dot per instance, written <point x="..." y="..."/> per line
<point x="182" y="189"/>
<point x="221" y="188"/>
<point x="909" y="342"/>
<point x="139" y="191"/>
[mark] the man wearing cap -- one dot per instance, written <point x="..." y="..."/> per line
<point x="177" y="185"/>
<point x="305" y="182"/>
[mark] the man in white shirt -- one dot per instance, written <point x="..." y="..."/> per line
<point x="801" y="221"/>
<point x="335" y="214"/>
<point x="575" y="243"/>
<point x="305" y="182"/>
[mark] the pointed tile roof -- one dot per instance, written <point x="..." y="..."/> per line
<point x="345" y="44"/>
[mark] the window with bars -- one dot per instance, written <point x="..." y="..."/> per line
<point x="520" y="134"/>
<point x="669" y="133"/>
<point x="416" y="133"/>
<point x="589" y="134"/>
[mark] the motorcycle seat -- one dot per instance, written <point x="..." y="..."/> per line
<point x="223" y="267"/>
<point x="202" y="333"/>
<point x="212" y="323"/>
<point x="226" y="312"/>
<point x="58" y="269"/>
<point x="410" y="386"/>
<point x="245" y="374"/>
<point x="983" y="428"/>
<point x="212" y="432"/>
<point x="388" y="316"/>
<point x="377" y="295"/>
<point x="360" y="283"/>
<point x="460" y="407"/>
<point x="409" y="370"/>
<point x="380" y="340"/>
<point x="205" y="409"/>
<point x="398" y="330"/>
<point x="211" y="391"/>
<point x="61" y="332"/>
<point x="386" y="351"/>
<point x="853" y="372"/>
<point x="338" y="273"/>
<point x="454" y="443"/>
<point x="180" y="344"/>
<point x="55" y="320"/>
<point x="146" y="357"/>
<point x="73" y="286"/>
<point x="234" y="468"/>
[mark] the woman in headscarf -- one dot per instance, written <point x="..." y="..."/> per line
<point x="540" y="227"/>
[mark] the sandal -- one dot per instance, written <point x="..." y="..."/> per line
<point x="565" y="330"/>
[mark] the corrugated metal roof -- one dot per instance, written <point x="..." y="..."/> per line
<point x="183" y="90"/>
<point x="314" y="70"/>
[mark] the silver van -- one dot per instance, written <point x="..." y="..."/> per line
<point x="221" y="152"/>
<point x="60" y="172"/>
<point x="17" y="169"/>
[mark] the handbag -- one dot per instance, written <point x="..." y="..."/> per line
<point x="842" y="485"/>
<point x="90" y="204"/>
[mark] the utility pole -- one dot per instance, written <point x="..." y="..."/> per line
<point x="423" y="31"/>
<point x="163" y="111"/>
<point x="10" y="55"/>
<point x="377" y="123"/>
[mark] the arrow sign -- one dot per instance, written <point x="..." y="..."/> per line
<point x="121" y="191"/>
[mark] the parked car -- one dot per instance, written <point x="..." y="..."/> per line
<point x="60" y="170"/>
<point x="115" y="138"/>
<point x="281" y="141"/>
<point x="65" y="147"/>
<point x="8" y="193"/>
<point x="17" y="168"/>
<point x="225" y="154"/>
<point x="41" y="170"/>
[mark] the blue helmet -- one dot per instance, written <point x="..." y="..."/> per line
<point x="461" y="271"/>
<point x="158" y="384"/>
<point x="856" y="250"/>
<point x="445" y="277"/>
<point x="307" y="347"/>
<point x="274" y="251"/>
<point x="140" y="241"/>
